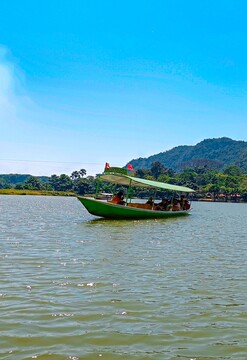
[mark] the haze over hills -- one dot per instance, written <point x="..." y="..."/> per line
<point x="214" y="153"/>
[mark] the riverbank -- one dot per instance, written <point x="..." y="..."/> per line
<point x="35" y="192"/>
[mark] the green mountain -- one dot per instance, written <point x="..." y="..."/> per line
<point x="214" y="153"/>
<point x="14" y="179"/>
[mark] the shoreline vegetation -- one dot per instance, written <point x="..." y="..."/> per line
<point x="35" y="192"/>
<point x="71" y="194"/>
<point x="229" y="185"/>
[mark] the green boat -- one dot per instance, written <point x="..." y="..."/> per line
<point x="130" y="210"/>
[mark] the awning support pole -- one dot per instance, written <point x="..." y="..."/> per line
<point x="128" y="192"/>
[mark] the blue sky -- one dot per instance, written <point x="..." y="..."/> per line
<point x="88" y="82"/>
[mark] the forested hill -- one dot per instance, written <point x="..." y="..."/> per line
<point x="214" y="153"/>
<point x="14" y="179"/>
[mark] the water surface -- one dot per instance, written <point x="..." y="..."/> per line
<point x="76" y="287"/>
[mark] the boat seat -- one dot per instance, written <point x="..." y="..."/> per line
<point x="140" y="206"/>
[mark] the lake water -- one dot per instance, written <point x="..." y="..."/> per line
<point x="72" y="287"/>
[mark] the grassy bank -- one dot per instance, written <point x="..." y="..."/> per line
<point x="35" y="192"/>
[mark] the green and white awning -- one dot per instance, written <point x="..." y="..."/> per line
<point x="127" y="180"/>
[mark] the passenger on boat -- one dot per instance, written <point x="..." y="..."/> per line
<point x="186" y="205"/>
<point x="181" y="201"/>
<point x="163" y="205"/>
<point x="176" y="205"/>
<point x="150" y="201"/>
<point x="118" y="198"/>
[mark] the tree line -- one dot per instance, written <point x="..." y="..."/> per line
<point x="230" y="184"/>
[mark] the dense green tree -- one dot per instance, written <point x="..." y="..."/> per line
<point x="210" y="176"/>
<point x="170" y="172"/>
<point x="65" y="183"/>
<point x="233" y="170"/>
<point x="142" y="173"/>
<point x="244" y="195"/>
<point x="91" y="184"/>
<point x="164" y="178"/>
<point x="187" y="177"/>
<point x="33" y="183"/>
<point x="54" y="182"/>
<point x="81" y="186"/>
<point x="232" y="181"/>
<point x="157" y="168"/>
<point x="3" y="184"/>
<point x="47" y="186"/>
<point x="61" y="183"/>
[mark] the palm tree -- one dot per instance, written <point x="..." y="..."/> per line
<point x="82" y="172"/>
<point x="75" y="175"/>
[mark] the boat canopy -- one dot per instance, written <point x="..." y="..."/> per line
<point x="127" y="180"/>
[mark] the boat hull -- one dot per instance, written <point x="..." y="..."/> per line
<point x="113" y="211"/>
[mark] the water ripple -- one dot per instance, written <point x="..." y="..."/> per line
<point x="73" y="287"/>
